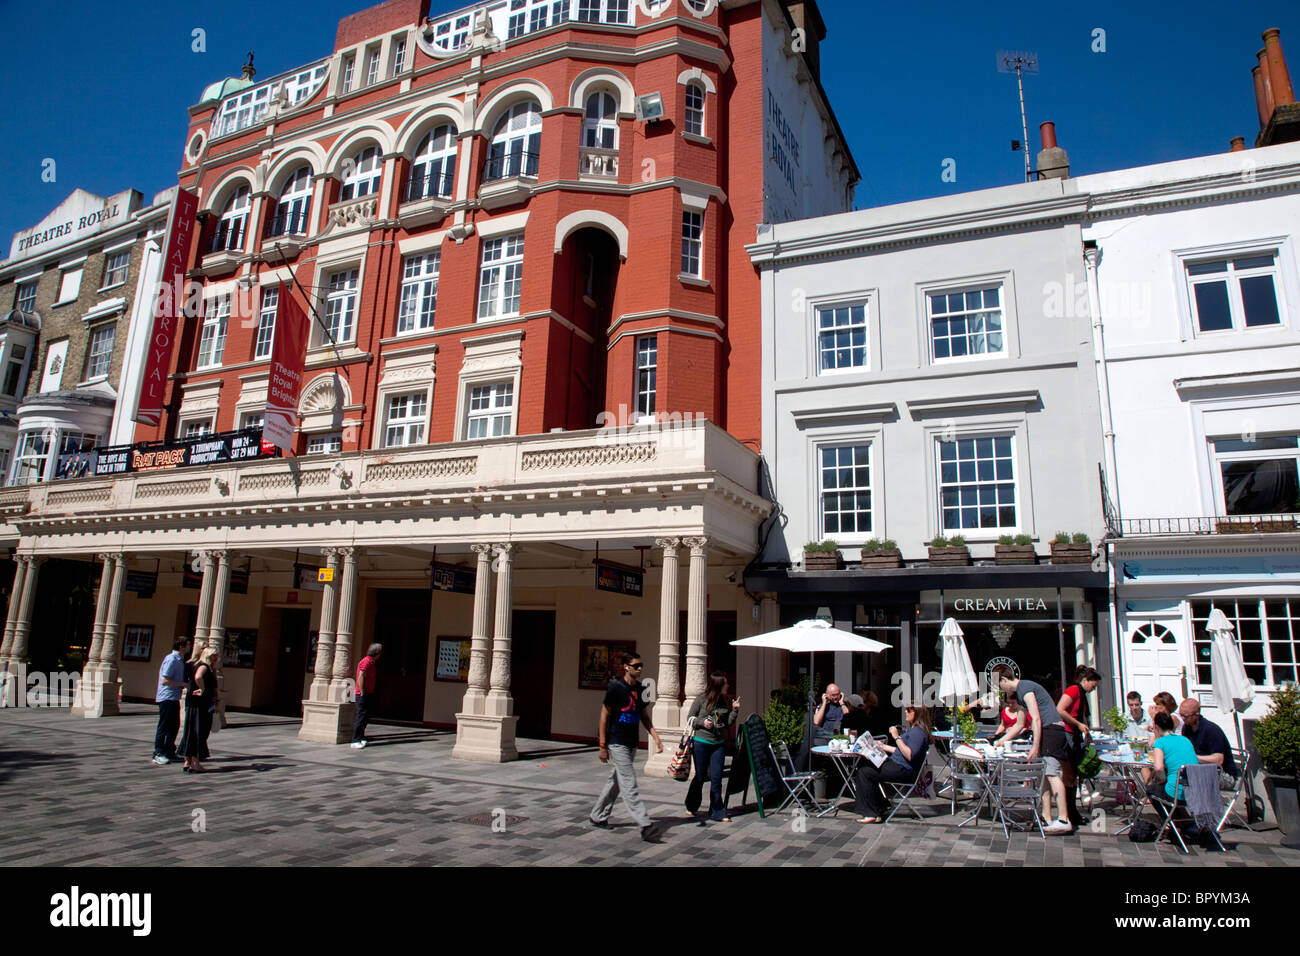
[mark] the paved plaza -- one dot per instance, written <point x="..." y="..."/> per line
<point x="76" y="792"/>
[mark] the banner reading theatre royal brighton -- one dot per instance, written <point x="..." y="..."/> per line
<point x="287" y="357"/>
<point x="170" y="306"/>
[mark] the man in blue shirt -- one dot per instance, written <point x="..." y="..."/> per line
<point x="171" y="685"/>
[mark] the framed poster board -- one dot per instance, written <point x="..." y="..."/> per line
<point x="597" y="662"/>
<point x="241" y="646"/>
<point x="137" y="642"/>
<point x="453" y="659"/>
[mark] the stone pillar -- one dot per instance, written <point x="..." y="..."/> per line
<point x="23" y="622"/>
<point x="217" y="633"/>
<point x="325" y="635"/>
<point x="81" y="699"/>
<point x="668" y="693"/>
<point x="11" y="612"/>
<point x="490" y="736"/>
<point x="329" y="710"/>
<point x="104" y="702"/>
<point x="480" y="651"/>
<point x="696" y="622"/>
<point x="204" y="621"/>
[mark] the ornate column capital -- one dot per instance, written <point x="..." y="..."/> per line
<point x="105" y="556"/>
<point x="668" y="545"/>
<point x="504" y="549"/>
<point x="346" y="552"/>
<point x="698" y="545"/>
<point x="120" y="558"/>
<point x="328" y="552"/>
<point x="481" y="548"/>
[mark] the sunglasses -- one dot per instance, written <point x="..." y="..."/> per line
<point x="635" y="667"/>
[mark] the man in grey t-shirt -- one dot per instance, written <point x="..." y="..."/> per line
<point x="1050" y="742"/>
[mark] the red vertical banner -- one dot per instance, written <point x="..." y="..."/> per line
<point x="288" y="353"/>
<point x="169" y="308"/>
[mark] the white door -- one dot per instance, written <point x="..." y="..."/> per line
<point x="1157" y="658"/>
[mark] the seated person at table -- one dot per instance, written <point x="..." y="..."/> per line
<point x="907" y="749"/>
<point x="854" y="718"/>
<point x="1164" y="701"/>
<point x="1137" y="717"/>
<point x="1209" y="742"/>
<point x="1169" y="752"/>
<point x="831" y="711"/>
<point x="877" y="716"/>
<point x="1014" y="721"/>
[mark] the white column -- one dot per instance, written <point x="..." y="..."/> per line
<point x="325" y="631"/>
<point x="696" y="621"/>
<point x="204" y="620"/>
<point x="480" y="650"/>
<point x="668" y="683"/>
<point x="23" y="622"/>
<point x="217" y="632"/>
<point x="343" y="639"/>
<point x="499" y="702"/>
<point x="96" y="653"/>
<point x="106" y="674"/>
<point x="11" y="613"/>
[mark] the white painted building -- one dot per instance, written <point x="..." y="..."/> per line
<point x="1198" y="282"/>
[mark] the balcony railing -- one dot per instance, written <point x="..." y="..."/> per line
<point x="430" y="186"/>
<point x="510" y="166"/>
<point x="1219" y="524"/>
<point x="229" y="237"/>
<point x="288" y="224"/>
<point x="595" y="161"/>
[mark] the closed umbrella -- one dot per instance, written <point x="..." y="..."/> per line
<point x="1233" y="690"/>
<point x="957" y="681"/>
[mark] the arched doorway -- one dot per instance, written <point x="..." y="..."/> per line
<point x="582" y="291"/>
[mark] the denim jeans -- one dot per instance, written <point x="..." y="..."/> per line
<point x="363" y="716"/>
<point x="169" y="722"/>
<point x="622" y="779"/>
<point x="708" y="761"/>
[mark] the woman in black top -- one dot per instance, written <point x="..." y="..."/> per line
<point x="200" y="701"/>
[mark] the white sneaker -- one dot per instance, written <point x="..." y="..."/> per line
<point x="358" y="745"/>
<point x="1058" y="826"/>
<point x="161" y="761"/>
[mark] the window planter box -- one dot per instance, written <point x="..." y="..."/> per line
<point x="1018" y="554"/>
<point x="823" y="560"/>
<point x="882" y="558"/>
<point x="1255" y="527"/>
<point x="1071" y="553"/>
<point x="958" y="557"/>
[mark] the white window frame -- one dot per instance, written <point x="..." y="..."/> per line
<point x="965" y="290"/>
<point x="265" y="339"/>
<point x="69" y="285"/>
<point x="833" y="308"/>
<point x="30" y="466"/>
<point x="294" y="204"/>
<point x="434" y="160"/>
<point x="212" y="336"/>
<point x="26" y="291"/>
<point x="600" y="131"/>
<point x="516" y="145"/>
<point x="529" y="16"/>
<point x="326" y="443"/>
<point x="452" y="33"/>
<point x="860" y="535"/>
<point x="399" y="55"/>
<point x="1013" y="455"/>
<point x="20" y="365"/>
<point x="196" y="428"/>
<point x="1231" y="277"/>
<point x="493" y="412"/>
<point x="116" y="266"/>
<point x="604" y="11"/>
<point x="1272" y="630"/>
<point x="501" y="277"/>
<point x="364" y="176"/>
<point x="341" y="295"/>
<point x="372" y="66"/>
<point x="234" y="221"/>
<point x="693" y="119"/>
<point x="411" y="427"/>
<point x="418" y="302"/>
<point x="254" y="419"/>
<point x="645" y="380"/>
<point x="98" y="363"/>
<point x="349" y="69"/>
<point x="692" y="243"/>
<point x="1220" y="458"/>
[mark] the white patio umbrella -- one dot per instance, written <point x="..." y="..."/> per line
<point x="1233" y="690"/>
<point x="957" y="681"/>
<point x="809" y="637"/>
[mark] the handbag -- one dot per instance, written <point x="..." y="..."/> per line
<point x="679" y="768"/>
<point x="1089" y="764"/>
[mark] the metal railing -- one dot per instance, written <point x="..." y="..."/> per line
<point x="1218" y="524"/>
<point x="510" y="166"/>
<point x="228" y="237"/>
<point x="288" y="224"/>
<point x="429" y="186"/>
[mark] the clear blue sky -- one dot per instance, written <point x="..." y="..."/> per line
<point x="913" y="84"/>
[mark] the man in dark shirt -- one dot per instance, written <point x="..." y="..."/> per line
<point x="855" y="718"/>
<point x="1208" y="740"/>
<point x="621" y="715"/>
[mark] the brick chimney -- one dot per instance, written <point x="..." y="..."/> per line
<point x="1238" y="144"/>
<point x="1279" y="114"/>
<point x="808" y="18"/>
<point x="1053" y="163"/>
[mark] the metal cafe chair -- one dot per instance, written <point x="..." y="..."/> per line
<point x="1019" y="786"/>
<point x="1238" y="790"/>
<point x="798" y="783"/>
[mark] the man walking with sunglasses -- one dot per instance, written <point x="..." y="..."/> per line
<point x="621" y="716"/>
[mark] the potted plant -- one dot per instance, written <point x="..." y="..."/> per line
<point x="881" y="554"/>
<point x="1272" y="526"/>
<point x="822" y="556"/>
<point x="1071" y="549"/>
<point x="1116" y="720"/>
<point x="949" y="552"/>
<point x="1277" y="740"/>
<point x="1014" y="550"/>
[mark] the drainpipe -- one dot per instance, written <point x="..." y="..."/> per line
<point x="1091" y="258"/>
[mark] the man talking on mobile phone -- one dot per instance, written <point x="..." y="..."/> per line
<point x="621" y="715"/>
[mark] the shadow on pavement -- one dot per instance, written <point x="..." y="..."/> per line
<point x="14" y="760"/>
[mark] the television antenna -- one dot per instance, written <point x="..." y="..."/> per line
<point x="1020" y="62"/>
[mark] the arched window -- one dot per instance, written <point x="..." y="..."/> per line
<point x="516" y="142"/>
<point x="694" y="120"/>
<point x="600" y="122"/>
<point x="294" y="206"/>
<point x="234" y="222"/>
<point x="433" y="167"/>
<point x="361" y="174"/>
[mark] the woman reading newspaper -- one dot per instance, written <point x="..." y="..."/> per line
<point x="897" y="762"/>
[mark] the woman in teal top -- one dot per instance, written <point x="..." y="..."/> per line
<point x="1169" y="753"/>
<point x="713" y="711"/>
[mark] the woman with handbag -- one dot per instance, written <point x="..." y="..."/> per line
<point x="712" y="712"/>
<point x="1074" y="711"/>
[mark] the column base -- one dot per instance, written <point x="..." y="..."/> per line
<point x="485" y="738"/>
<point x="13" y="681"/>
<point x="656" y="765"/>
<point x="327" y="722"/>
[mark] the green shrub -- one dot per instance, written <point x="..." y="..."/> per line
<point x="821" y="547"/>
<point x="1080" y="538"/>
<point x="939" y="541"/>
<point x="1024" y="539"/>
<point x="877" y="545"/>
<point x="1062" y="537"/>
<point x="1116" y="720"/>
<point x="957" y="541"/>
<point x="1006" y="539"/>
<point x="1277" y="736"/>
<point x="784" y="722"/>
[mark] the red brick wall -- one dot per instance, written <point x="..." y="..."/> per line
<point x="380" y="19"/>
